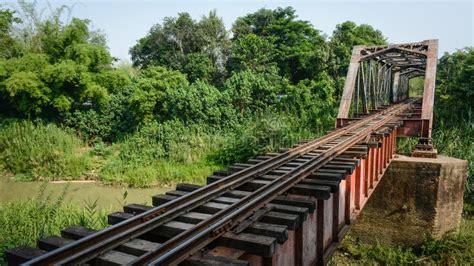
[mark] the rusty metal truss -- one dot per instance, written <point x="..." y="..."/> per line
<point x="379" y="76"/>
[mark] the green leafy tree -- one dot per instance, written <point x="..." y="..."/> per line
<point x="27" y="91"/>
<point x="199" y="67"/>
<point x="455" y="87"/>
<point x="181" y="43"/>
<point x="251" y="52"/>
<point x="252" y="92"/>
<point x="344" y="38"/>
<point x="199" y="103"/>
<point x="300" y="49"/>
<point x="213" y="39"/>
<point x="9" y="46"/>
<point x="64" y="67"/>
<point x="312" y="101"/>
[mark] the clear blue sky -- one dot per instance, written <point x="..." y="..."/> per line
<point x="403" y="21"/>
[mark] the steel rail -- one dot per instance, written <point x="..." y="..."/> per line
<point x="178" y="248"/>
<point x="111" y="237"/>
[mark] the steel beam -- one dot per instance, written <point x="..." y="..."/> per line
<point x="350" y="82"/>
<point x="429" y="87"/>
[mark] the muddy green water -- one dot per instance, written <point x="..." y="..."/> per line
<point x="111" y="197"/>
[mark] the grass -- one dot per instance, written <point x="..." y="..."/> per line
<point x="172" y="152"/>
<point x="157" y="154"/>
<point x="24" y="222"/>
<point x="452" y="249"/>
<point x="155" y="173"/>
<point x="41" y="151"/>
<point x="162" y="154"/>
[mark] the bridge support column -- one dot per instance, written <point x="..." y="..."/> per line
<point x="396" y="82"/>
<point x="429" y="86"/>
<point x="415" y="198"/>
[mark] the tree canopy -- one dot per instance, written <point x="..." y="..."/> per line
<point x="68" y="67"/>
<point x="299" y="50"/>
<point x="455" y="85"/>
<point x="344" y="38"/>
<point x="186" y="69"/>
<point x="9" y="46"/>
<point x="196" y="48"/>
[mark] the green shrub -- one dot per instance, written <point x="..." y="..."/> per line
<point x="23" y="222"/>
<point x="312" y="102"/>
<point x="151" y="86"/>
<point x="199" y="103"/>
<point x="41" y="151"/>
<point x="406" y="145"/>
<point x="252" y="92"/>
<point x="109" y="123"/>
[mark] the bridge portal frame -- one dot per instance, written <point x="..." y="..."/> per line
<point x="407" y="61"/>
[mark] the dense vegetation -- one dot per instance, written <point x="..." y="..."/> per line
<point x="194" y="100"/>
<point x="197" y="98"/>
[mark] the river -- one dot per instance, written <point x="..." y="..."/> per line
<point x="110" y="197"/>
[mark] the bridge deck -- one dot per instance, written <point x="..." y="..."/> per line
<point x="286" y="208"/>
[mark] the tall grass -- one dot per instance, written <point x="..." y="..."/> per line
<point x="23" y="222"/>
<point x="163" y="153"/>
<point x="173" y="152"/>
<point x="31" y="151"/>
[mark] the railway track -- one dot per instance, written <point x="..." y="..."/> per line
<point x="261" y="199"/>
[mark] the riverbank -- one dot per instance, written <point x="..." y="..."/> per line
<point x="79" y="192"/>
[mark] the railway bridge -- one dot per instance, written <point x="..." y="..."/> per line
<point x="290" y="207"/>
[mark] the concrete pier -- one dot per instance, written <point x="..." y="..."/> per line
<point x="416" y="198"/>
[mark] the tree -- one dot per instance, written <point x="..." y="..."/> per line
<point x="455" y="86"/>
<point x="214" y="40"/>
<point x="9" y="47"/>
<point x="67" y="67"/>
<point x="300" y="50"/>
<point x="312" y="101"/>
<point x="344" y="38"/>
<point x="199" y="67"/>
<point x="199" y="103"/>
<point x="181" y="41"/>
<point x="251" y="52"/>
<point x="252" y="92"/>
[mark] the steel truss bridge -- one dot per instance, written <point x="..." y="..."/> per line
<point x="291" y="207"/>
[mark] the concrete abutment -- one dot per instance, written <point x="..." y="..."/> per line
<point x="416" y="198"/>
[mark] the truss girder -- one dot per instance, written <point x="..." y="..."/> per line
<point x="380" y="75"/>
